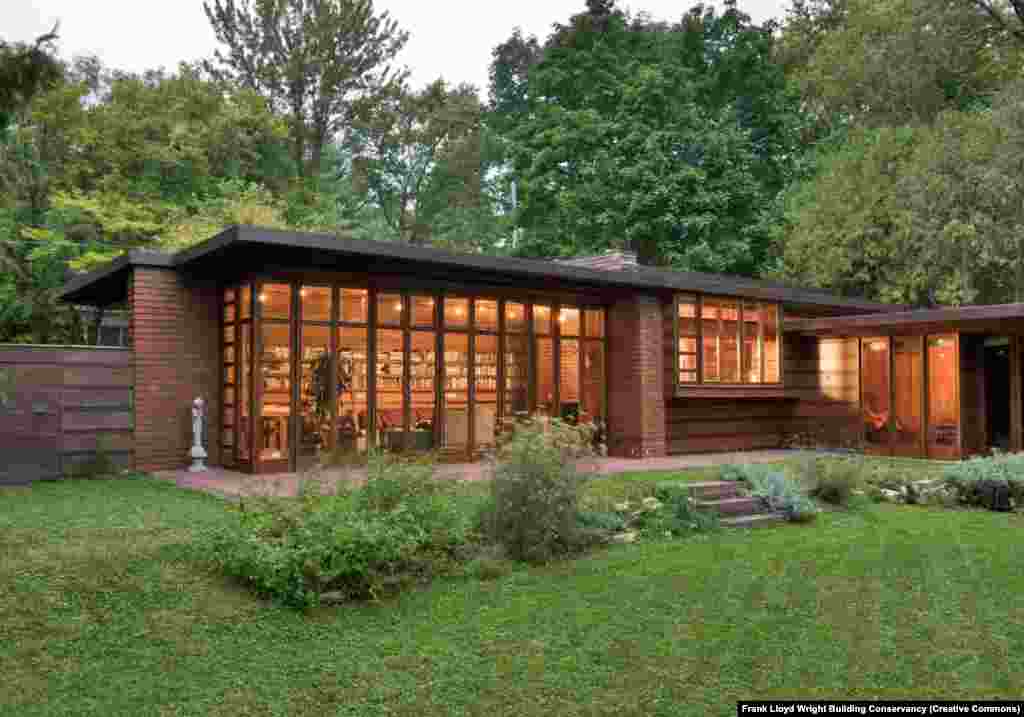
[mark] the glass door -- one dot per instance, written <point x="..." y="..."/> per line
<point x="908" y="396"/>
<point x="876" y="408"/>
<point x="943" y="440"/>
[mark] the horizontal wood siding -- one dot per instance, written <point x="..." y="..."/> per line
<point x="823" y="375"/>
<point x="58" y="404"/>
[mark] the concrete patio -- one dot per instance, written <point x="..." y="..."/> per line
<point x="233" y="484"/>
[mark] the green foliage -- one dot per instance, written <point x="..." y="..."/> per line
<point x="668" y="139"/>
<point x="318" y="62"/>
<point x="780" y="492"/>
<point x="26" y="70"/>
<point x="677" y="514"/>
<point x="600" y="520"/>
<point x="836" y="481"/>
<point x="894" y="62"/>
<point x="534" y="507"/>
<point x="401" y="526"/>
<point x="975" y="480"/>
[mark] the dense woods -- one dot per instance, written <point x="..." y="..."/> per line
<point x="873" y="147"/>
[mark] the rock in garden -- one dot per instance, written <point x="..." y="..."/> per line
<point x="629" y="536"/>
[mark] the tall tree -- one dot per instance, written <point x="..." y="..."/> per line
<point x="890" y="62"/>
<point x="25" y="71"/>
<point x="318" y="62"/>
<point x="667" y="137"/>
<point x="418" y="153"/>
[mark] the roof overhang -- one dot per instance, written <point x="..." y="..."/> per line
<point x="992" y="319"/>
<point x="108" y="284"/>
<point x="241" y="249"/>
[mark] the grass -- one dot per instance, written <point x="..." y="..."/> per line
<point x="102" y="613"/>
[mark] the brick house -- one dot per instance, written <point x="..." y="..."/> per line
<point x="305" y="343"/>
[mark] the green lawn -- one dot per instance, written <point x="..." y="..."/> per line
<point x="102" y="614"/>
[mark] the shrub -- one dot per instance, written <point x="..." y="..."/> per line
<point x="835" y="481"/>
<point x="600" y="520"/>
<point x="399" y="527"/>
<point x="995" y="482"/>
<point x="534" y="504"/>
<point x="677" y="514"/>
<point x="782" y="494"/>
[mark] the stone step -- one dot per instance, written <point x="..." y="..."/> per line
<point x="746" y="505"/>
<point x="758" y="520"/>
<point x="714" y="489"/>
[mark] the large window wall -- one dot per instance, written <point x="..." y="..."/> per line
<point x="909" y="396"/>
<point x="313" y="367"/>
<point x="726" y="341"/>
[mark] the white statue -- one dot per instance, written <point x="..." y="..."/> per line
<point x="197" y="453"/>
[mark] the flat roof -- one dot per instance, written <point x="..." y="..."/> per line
<point x="989" y="318"/>
<point x="102" y="284"/>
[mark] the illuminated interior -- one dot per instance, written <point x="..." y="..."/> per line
<point x="343" y="369"/>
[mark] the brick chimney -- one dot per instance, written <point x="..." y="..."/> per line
<point x="611" y="260"/>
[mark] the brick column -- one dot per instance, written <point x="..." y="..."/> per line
<point x="175" y="330"/>
<point x="636" y="378"/>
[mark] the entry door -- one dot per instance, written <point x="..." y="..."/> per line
<point x="908" y="396"/>
<point x="943" y="398"/>
<point x="876" y="395"/>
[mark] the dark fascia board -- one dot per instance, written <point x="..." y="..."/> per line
<point x="638" y="278"/>
<point x="644" y="278"/>
<point x="78" y="289"/>
<point x="953" y="318"/>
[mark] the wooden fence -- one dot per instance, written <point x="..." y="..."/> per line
<point x="59" y="405"/>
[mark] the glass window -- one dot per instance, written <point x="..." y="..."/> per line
<point x="515" y="316"/>
<point x="389" y="309"/>
<point x="353" y="380"/>
<point x="594" y="323"/>
<point x="456" y="313"/>
<point x="390" y="392"/>
<point x="908" y="392"/>
<point x="229" y="334"/>
<point x="517" y="376"/>
<point x="316" y="303"/>
<point x="276" y="406"/>
<point x="875" y="405"/>
<point x="729" y="352"/>
<point x="423" y="311"/>
<point x="485" y="374"/>
<point x="711" y="331"/>
<point x="276" y="301"/>
<point x="686" y="310"/>
<point x="569" y="380"/>
<point x="422" y="370"/>
<point x="229" y="295"/>
<point x="354" y="305"/>
<point x="545" y="357"/>
<point x="593" y="382"/>
<point x="569" y="321"/>
<point x="455" y="410"/>
<point x="751" y="342"/>
<point x="245" y="394"/>
<point x="943" y="416"/>
<point x="541" y="319"/>
<point x="245" y="302"/>
<point x="229" y="313"/>
<point x="772" y="351"/>
<point x="314" y="395"/>
<point x="486" y="315"/>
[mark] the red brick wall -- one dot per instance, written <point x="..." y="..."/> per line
<point x="636" y="375"/>
<point x="175" y="328"/>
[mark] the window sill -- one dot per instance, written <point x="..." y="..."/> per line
<point x="732" y="391"/>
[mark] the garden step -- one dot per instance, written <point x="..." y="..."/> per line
<point x="746" y="505"/>
<point x="758" y="520"/>
<point x="710" y="490"/>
